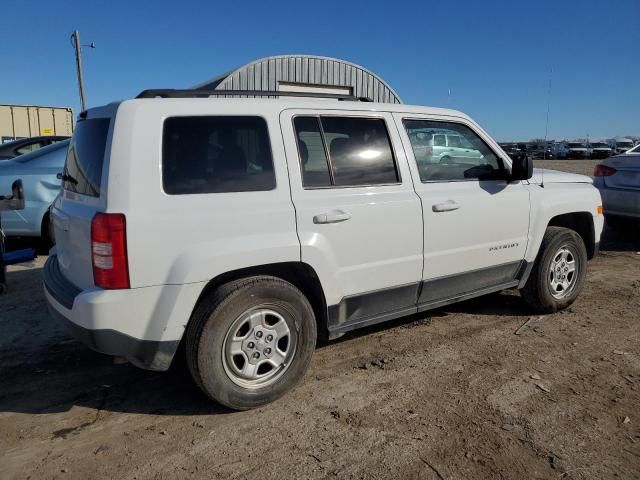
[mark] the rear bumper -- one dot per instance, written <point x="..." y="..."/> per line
<point x="143" y="325"/>
<point x="621" y="202"/>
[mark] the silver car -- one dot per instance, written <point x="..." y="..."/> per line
<point x="443" y="146"/>
<point x="618" y="179"/>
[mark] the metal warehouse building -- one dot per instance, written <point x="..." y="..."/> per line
<point x="305" y="73"/>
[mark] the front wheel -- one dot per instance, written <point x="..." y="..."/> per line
<point x="251" y="341"/>
<point x="559" y="271"/>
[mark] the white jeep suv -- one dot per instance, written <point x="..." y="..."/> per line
<point x="249" y="227"/>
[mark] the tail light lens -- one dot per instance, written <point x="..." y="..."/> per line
<point x="603" y="171"/>
<point x="109" y="251"/>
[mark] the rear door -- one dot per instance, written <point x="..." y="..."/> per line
<point x="82" y="196"/>
<point x="358" y="217"/>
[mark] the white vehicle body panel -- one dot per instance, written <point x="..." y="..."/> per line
<point x="556" y="199"/>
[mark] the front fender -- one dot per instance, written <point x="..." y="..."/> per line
<point x="559" y="199"/>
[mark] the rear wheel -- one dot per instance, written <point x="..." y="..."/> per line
<point x="559" y="271"/>
<point x="251" y="341"/>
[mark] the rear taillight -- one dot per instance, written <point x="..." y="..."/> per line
<point x="109" y="250"/>
<point x="603" y="171"/>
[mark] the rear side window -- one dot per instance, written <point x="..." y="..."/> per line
<point x="216" y="155"/>
<point x="313" y="157"/>
<point x="83" y="167"/>
<point x="345" y="151"/>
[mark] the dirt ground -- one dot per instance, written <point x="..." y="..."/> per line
<point x="450" y="394"/>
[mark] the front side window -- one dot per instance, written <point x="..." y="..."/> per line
<point x="216" y="155"/>
<point x="345" y="151"/>
<point x="463" y="156"/>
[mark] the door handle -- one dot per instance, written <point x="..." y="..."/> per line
<point x="447" y="206"/>
<point x="333" y="217"/>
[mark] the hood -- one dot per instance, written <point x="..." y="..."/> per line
<point x="555" y="176"/>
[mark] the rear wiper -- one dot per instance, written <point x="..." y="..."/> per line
<point x="65" y="177"/>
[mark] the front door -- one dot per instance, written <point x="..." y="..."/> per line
<point x="359" y="219"/>
<point x="476" y="222"/>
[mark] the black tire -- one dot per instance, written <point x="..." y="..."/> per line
<point x="212" y="321"/>
<point x="445" y="159"/>
<point x="538" y="292"/>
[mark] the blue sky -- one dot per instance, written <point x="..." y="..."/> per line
<point x="493" y="56"/>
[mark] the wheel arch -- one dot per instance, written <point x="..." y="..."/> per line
<point x="582" y="224"/>
<point x="299" y="274"/>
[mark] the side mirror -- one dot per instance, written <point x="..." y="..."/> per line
<point x="521" y="168"/>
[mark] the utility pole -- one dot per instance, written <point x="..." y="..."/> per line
<point x="75" y="43"/>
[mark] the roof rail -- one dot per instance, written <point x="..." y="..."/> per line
<point x="197" y="93"/>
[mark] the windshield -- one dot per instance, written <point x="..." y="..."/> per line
<point x="599" y="145"/>
<point x="576" y="145"/>
<point x="625" y="144"/>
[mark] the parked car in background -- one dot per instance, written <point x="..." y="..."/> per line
<point x="618" y="179"/>
<point x="19" y="147"/>
<point x="38" y="171"/>
<point x="515" y="150"/>
<point x="444" y="146"/>
<point x="600" y="150"/>
<point x="620" y="145"/>
<point x="574" y="150"/>
<point x="538" y="152"/>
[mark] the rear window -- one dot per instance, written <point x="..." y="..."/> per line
<point x="83" y="167"/>
<point x="216" y="155"/>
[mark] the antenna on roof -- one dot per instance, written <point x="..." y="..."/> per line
<point x="546" y="126"/>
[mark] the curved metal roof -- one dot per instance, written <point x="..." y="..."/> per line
<point x="268" y="73"/>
